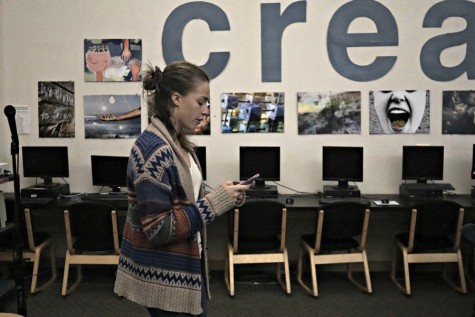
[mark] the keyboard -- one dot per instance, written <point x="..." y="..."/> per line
<point x="36" y="200"/>
<point x="429" y="186"/>
<point x="280" y="200"/>
<point x="104" y="197"/>
<point x="331" y="200"/>
<point x="446" y="186"/>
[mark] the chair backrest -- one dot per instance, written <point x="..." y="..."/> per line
<point x="338" y="223"/>
<point x="259" y="220"/>
<point x="436" y="219"/>
<point x="92" y="225"/>
<point x="342" y="220"/>
<point x="435" y="224"/>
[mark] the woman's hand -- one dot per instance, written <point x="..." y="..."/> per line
<point x="236" y="191"/>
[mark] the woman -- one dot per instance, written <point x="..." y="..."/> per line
<point x="162" y="265"/>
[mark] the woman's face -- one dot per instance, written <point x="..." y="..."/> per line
<point x="400" y="111"/>
<point x="190" y="109"/>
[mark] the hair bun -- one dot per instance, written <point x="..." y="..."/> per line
<point x="157" y="75"/>
<point x="152" y="79"/>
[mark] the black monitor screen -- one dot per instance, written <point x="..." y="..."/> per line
<point x="342" y="164"/>
<point x="45" y="162"/>
<point x="263" y="160"/>
<point x="109" y="171"/>
<point x="201" y="154"/>
<point x="422" y="163"/>
<point x="473" y="163"/>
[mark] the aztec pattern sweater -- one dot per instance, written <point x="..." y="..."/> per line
<point x="160" y="265"/>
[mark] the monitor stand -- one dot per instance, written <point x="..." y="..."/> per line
<point x="336" y="191"/>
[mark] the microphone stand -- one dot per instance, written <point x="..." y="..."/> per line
<point x="19" y="225"/>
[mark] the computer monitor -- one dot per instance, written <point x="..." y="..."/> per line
<point x="422" y="163"/>
<point x="342" y="164"/>
<point x="200" y="152"/>
<point x="263" y="160"/>
<point x="109" y="171"/>
<point x="473" y="162"/>
<point x="45" y="162"/>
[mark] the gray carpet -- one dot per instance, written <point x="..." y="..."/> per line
<point x="257" y="294"/>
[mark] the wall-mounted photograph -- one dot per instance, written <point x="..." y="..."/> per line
<point x="112" y="116"/>
<point x="257" y="112"/>
<point x="458" y="113"/>
<point x="399" y="111"/>
<point x="329" y="112"/>
<point x="112" y="60"/>
<point x="56" y="109"/>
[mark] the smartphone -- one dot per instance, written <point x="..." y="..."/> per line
<point x="250" y="180"/>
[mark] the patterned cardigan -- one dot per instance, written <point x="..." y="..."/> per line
<point x="160" y="264"/>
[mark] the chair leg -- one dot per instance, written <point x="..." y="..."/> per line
<point x="287" y="271"/>
<point x="65" y="275"/>
<point x="367" y="288"/>
<point x="65" y="291"/>
<point x="313" y="271"/>
<point x="462" y="287"/>
<point x="36" y="264"/>
<point x="286" y="287"/>
<point x="229" y="271"/>
<point x="463" y="284"/>
<point x="407" y="278"/>
<point x="34" y="281"/>
<point x="314" y="290"/>
<point x="405" y="289"/>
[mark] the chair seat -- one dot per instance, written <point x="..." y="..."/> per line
<point x="249" y="245"/>
<point x="94" y="245"/>
<point x="331" y="245"/>
<point x="422" y="244"/>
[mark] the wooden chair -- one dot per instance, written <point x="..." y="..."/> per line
<point x="334" y="242"/>
<point x="258" y="236"/>
<point x="34" y="245"/>
<point x="433" y="237"/>
<point x="92" y="238"/>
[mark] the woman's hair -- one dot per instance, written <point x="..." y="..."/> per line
<point x="181" y="77"/>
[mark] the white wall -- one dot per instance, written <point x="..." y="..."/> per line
<point x="43" y="41"/>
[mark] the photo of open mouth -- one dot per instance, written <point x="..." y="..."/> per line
<point x="398" y="118"/>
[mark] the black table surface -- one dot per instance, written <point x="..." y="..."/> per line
<point x="296" y="201"/>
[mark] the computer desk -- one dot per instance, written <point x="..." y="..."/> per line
<point x="309" y="201"/>
<point x="300" y="201"/>
<point x="385" y="222"/>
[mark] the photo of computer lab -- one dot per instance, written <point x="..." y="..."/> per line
<point x="337" y="178"/>
<point x="252" y="112"/>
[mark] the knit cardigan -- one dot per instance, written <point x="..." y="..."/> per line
<point x="160" y="265"/>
